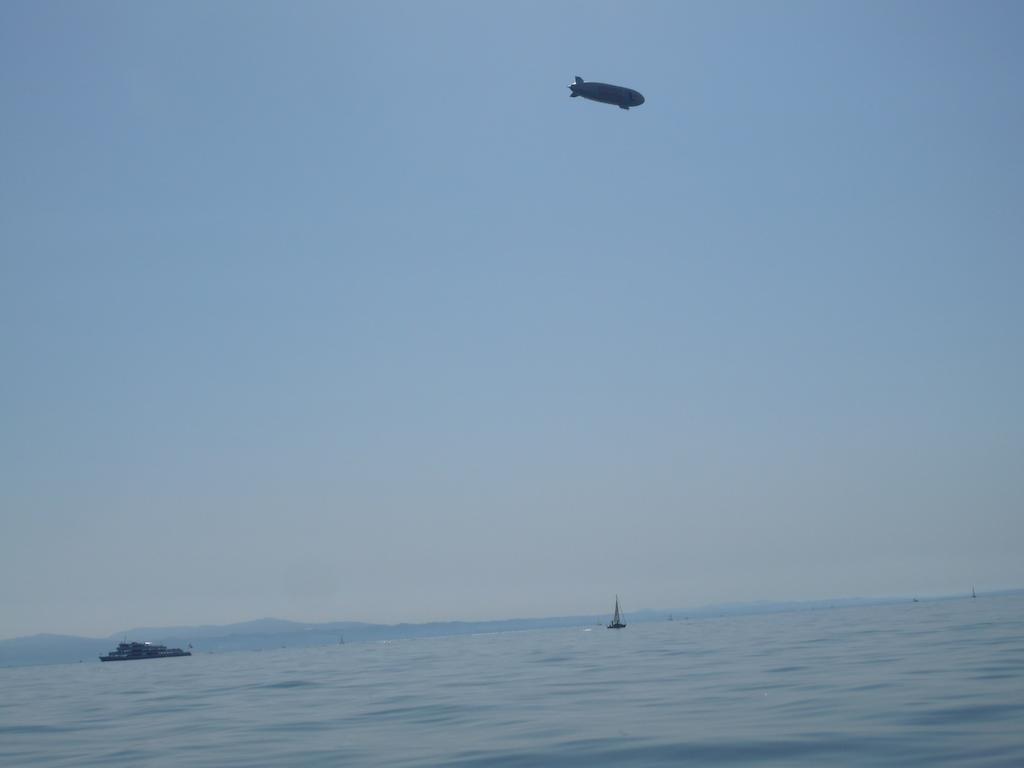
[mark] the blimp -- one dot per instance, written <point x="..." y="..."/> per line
<point x="620" y="96"/>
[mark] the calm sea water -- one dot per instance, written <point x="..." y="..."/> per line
<point x="910" y="684"/>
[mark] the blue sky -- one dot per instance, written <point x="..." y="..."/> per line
<point x="335" y="310"/>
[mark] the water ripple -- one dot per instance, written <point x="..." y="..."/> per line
<point x="880" y="685"/>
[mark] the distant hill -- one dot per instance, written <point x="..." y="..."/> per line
<point x="253" y="635"/>
<point x="277" y="633"/>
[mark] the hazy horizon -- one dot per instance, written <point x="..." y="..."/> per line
<point x="682" y="612"/>
<point x="347" y="310"/>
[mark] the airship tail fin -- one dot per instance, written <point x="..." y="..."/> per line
<point x="579" y="80"/>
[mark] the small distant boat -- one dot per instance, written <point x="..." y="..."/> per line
<point x="134" y="651"/>
<point x="617" y="618"/>
<point x="973" y="593"/>
<point x="341" y="640"/>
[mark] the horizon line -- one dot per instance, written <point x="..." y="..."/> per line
<point x="703" y="609"/>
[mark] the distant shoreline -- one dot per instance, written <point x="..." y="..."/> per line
<point x="262" y="634"/>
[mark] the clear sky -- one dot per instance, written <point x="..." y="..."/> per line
<point x="327" y="310"/>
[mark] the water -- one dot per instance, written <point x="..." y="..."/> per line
<point x="909" y="684"/>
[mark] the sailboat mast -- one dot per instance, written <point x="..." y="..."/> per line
<point x="617" y="618"/>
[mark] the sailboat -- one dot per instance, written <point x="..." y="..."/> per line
<point x="617" y="618"/>
<point x="973" y="593"/>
